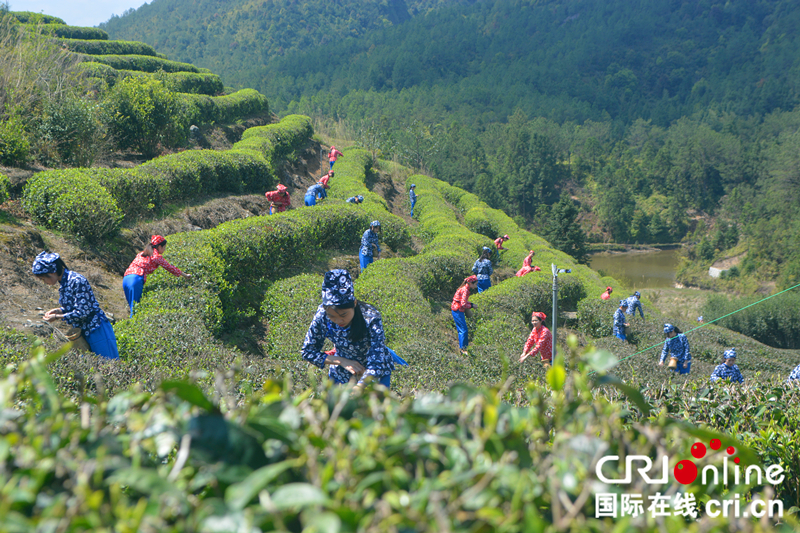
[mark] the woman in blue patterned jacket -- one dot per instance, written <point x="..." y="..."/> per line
<point x="356" y="330"/>
<point x="483" y="269"/>
<point x="728" y="371"/>
<point x="678" y="347"/>
<point x="370" y="244"/>
<point x="79" y="307"/>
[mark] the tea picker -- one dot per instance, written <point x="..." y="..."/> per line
<point x="370" y="244"/>
<point x="314" y="193"/>
<point x="483" y="269"/>
<point x="461" y="308"/>
<point x="279" y="200"/>
<point x="78" y="306"/>
<point x="146" y="262"/>
<point x="634" y="304"/>
<point x="677" y="346"/>
<point x="540" y="340"/>
<point x="728" y="370"/>
<point x="619" y="321"/>
<point x="356" y="330"/>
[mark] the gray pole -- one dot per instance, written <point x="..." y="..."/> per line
<point x="555" y="307"/>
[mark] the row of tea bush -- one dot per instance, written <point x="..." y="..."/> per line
<point x="91" y="202"/>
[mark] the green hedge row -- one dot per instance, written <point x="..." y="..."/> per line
<point x="775" y="322"/>
<point x="202" y="109"/>
<point x="238" y="260"/>
<point x="97" y="47"/>
<point x="179" y="82"/>
<point x="65" y="199"/>
<point x="29" y="17"/>
<point x="70" y="32"/>
<point x="72" y="201"/>
<point x="142" y="63"/>
<point x="277" y="143"/>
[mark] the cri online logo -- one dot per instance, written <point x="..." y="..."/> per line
<point x="686" y="471"/>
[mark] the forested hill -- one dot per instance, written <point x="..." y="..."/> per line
<point x="236" y="36"/>
<point x="577" y="60"/>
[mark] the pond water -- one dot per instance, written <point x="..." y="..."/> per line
<point x="638" y="270"/>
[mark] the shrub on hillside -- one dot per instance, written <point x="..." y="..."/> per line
<point x="204" y="83"/>
<point x="102" y="47"/>
<point x="179" y="82"/>
<point x="70" y="32"/>
<point x="142" y="63"/>
<point x="775" y="322"/>
<point x="136" y="194"/>
<point x="196" y="173"/>
<point x="203" y="109"/>
<point x="73" y="202"/>
<point x="144" y="115"/>
<point x="69" y="127"/>
<point x="29" y="17"/>
<point x="14" y="144"/>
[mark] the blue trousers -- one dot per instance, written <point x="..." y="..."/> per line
<point x="132" y="285"/>
<point x="332" y="163"/>
<point x="365" y="260"/>
<point x="310" y="200"/>
<point x="461" y="326"/>
<point x="103" y="342"/>
<point x="680" y="370"/>
<point x="412" y="207"/>
<point x="484" y="284"/>
<point x="621" y="336"/>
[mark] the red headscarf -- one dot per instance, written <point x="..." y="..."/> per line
<point x="155" y="240"/>
<point x="281" y="187"/>
<point x="471" y="279"/>
<point x="538" y="314"/>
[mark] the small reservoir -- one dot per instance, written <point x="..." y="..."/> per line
<point x="639" y="270"/>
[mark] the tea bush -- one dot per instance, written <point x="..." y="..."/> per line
<point x="178" y="460"/>
<point x="775" y="322"/>
<point x="278" y="142"/>
<point x="73" y="202"/>
<point x="168" y="179"/>
<point x="197" y="173"/>
<point x="203" y="109"/>
<point x="29" y="17"/>
<point x="143" y="114"/>
<point x="14" y="144"/>
<point x="70" y="32"/>
<point x="98" y="47"/>
<point x="142" y="63"/>
<point x="179" y="82"/>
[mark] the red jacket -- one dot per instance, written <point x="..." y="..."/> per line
<point x="144" y="265"/>
<point x="281" y="202"/>
<point x="461" y="299"/>
<point x="541" y="340"/>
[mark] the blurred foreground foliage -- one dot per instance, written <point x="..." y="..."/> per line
<point x="177" y="460"/>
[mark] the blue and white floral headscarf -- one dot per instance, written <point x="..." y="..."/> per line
<point x="45" y="263"/>
<point x="337" y="288"/>
<point x="668" y="328"/>
<point x="729" y="354"/>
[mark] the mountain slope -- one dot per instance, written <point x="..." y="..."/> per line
<point x="479" y="61"/>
